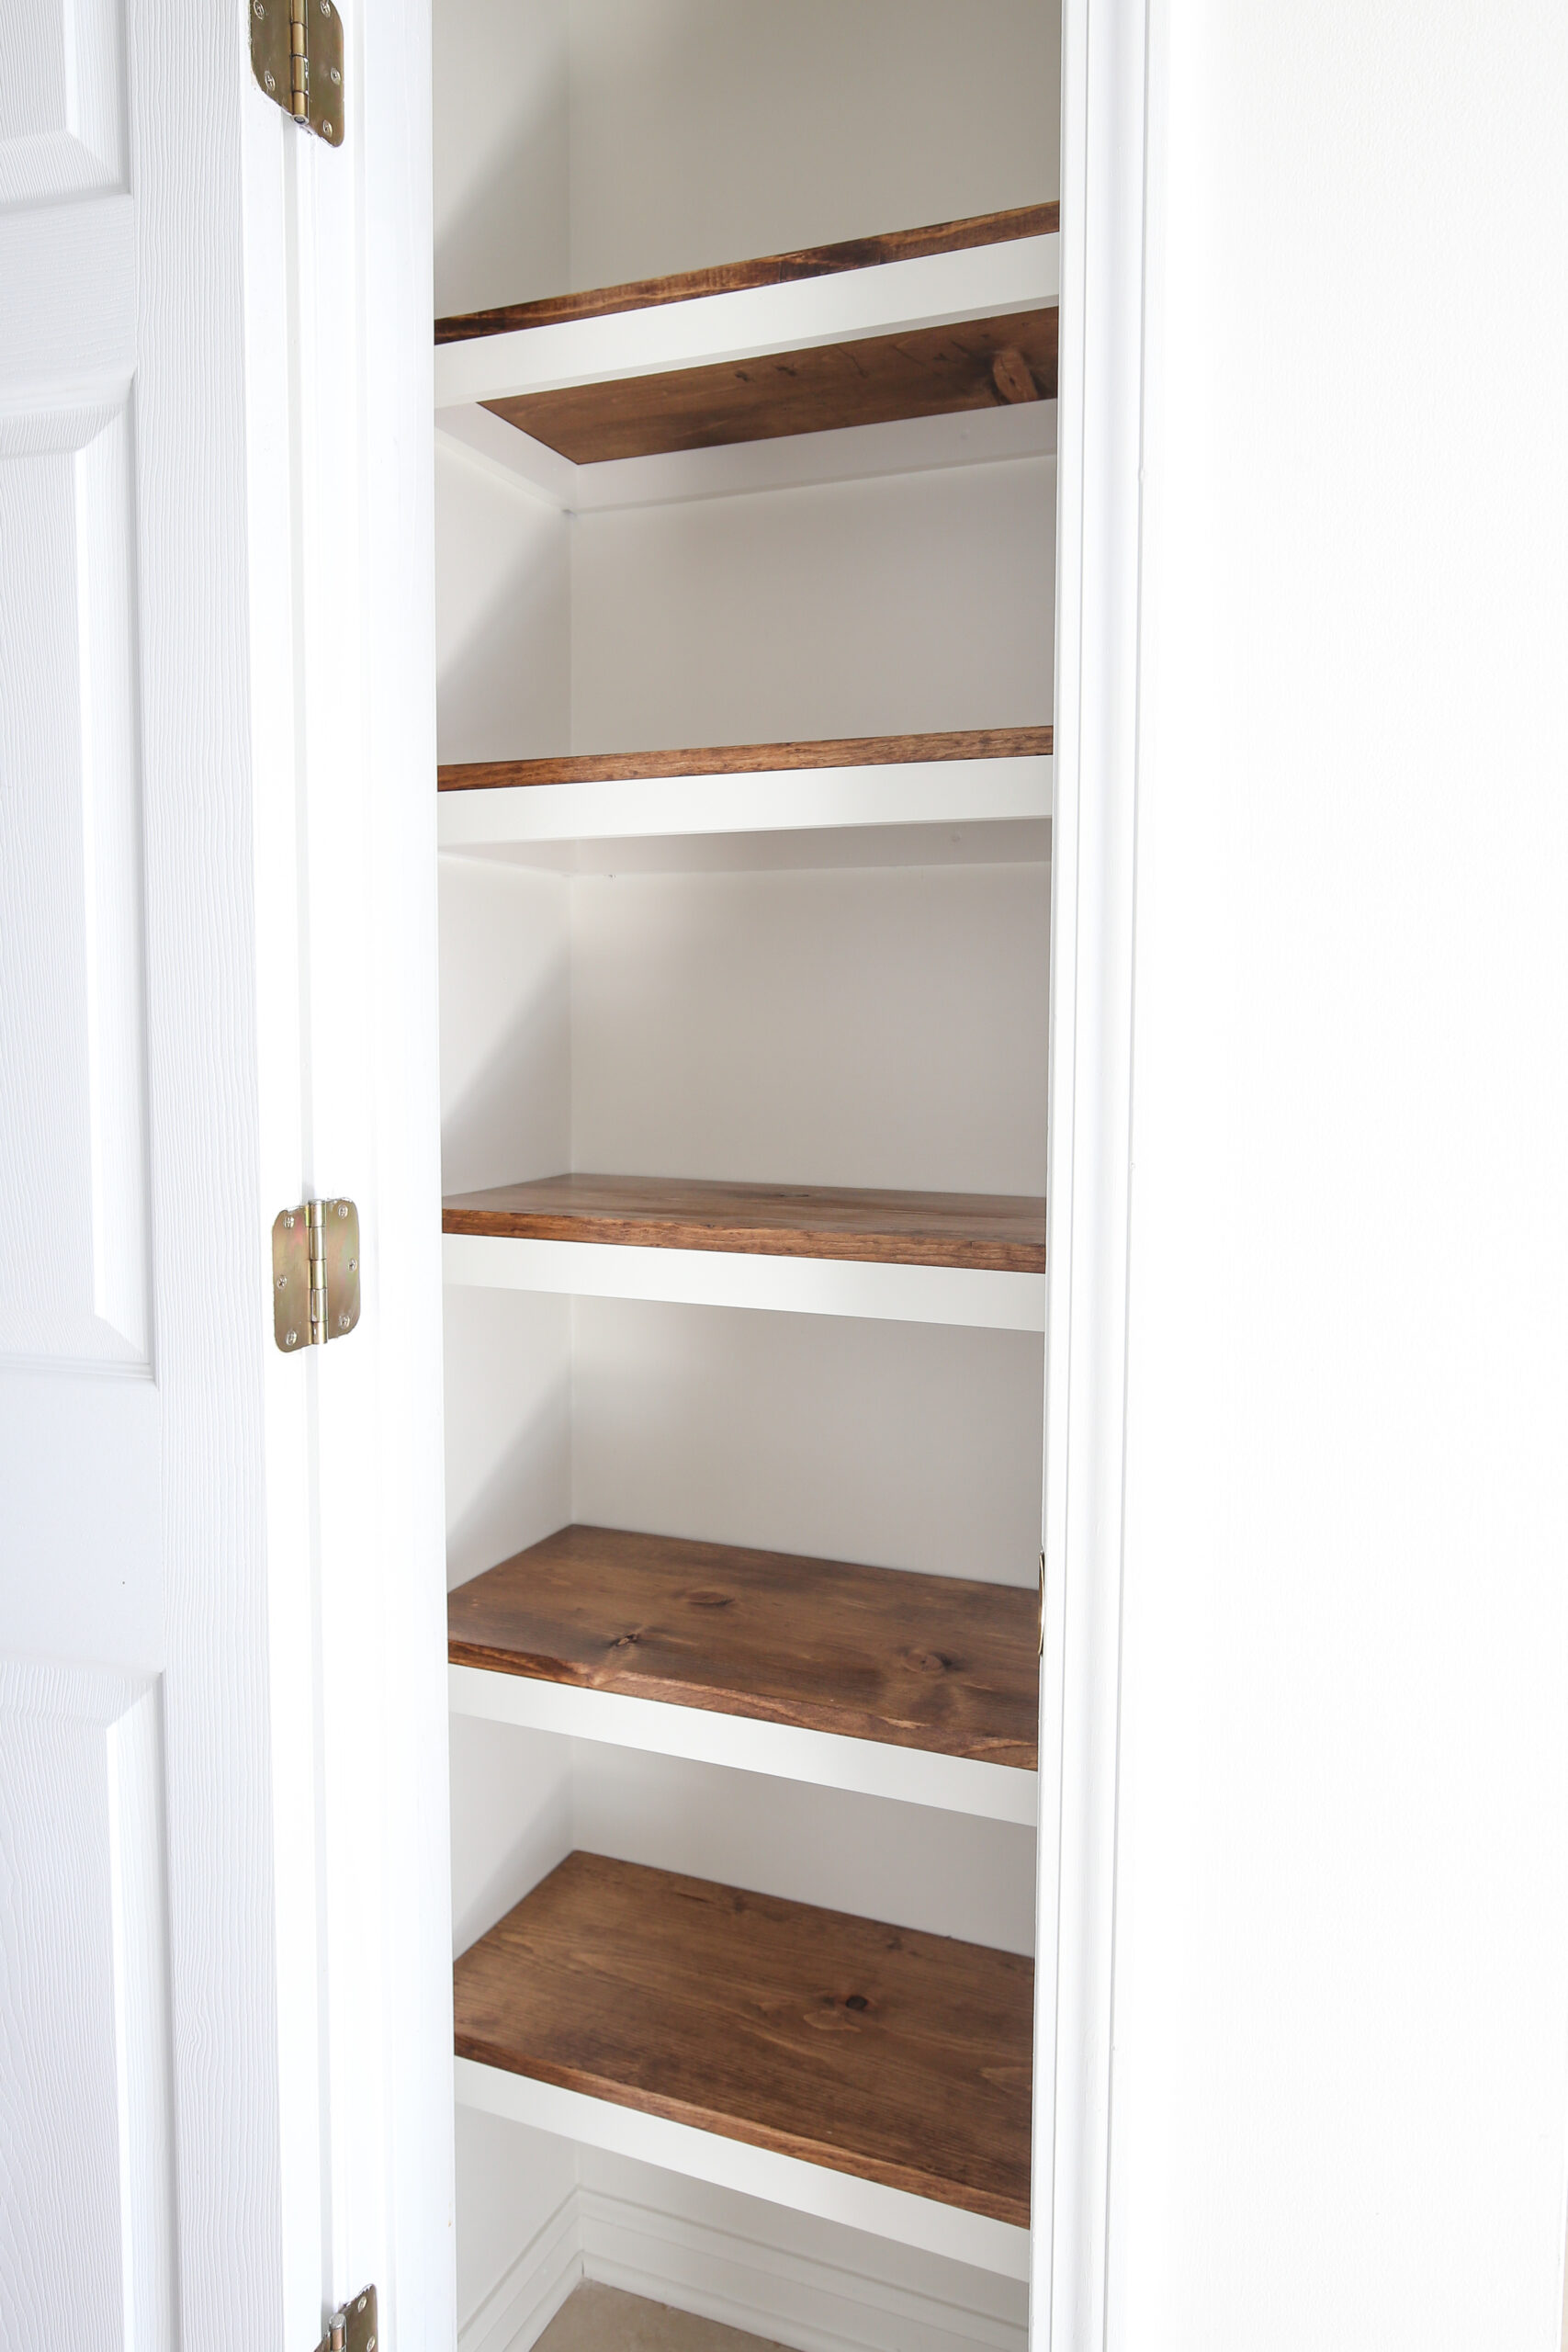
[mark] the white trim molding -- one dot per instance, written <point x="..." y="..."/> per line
<point x="515" y="2312"/>
<point x="890" y="297"/>
<point x="876" y="1291"/>
<point x="869" y="2206"/>
<point x="747" y="1743"/>
<point x="1098" y="540"/>
<point x="727" y="2257"/>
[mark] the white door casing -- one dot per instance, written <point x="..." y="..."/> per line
<point x="1099" y="527"/>
<point x="224" y="1985"/>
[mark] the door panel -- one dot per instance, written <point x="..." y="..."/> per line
<point x="225" y="2039"/>
<point x="84" y="2144"/>
<point x="62" y="99"/>
<point x="75" y="1272"/>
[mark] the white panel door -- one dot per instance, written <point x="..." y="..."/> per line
<point x="225" y="2049"/>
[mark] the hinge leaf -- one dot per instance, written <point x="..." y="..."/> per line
<point x="315" y="1274"/>
<point x="354" y="2326"/>
<point x="297" y="58"/>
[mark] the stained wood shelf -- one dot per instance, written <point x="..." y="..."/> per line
<point x="898" y="2057"/>
<point x="980" y="795"/>
<point x="772" y="269"/>
<point x="748" y="759"/>
<point x="975" y="1232"/>
<point x="932" y="324"/>
<point x="936" y="1662"/>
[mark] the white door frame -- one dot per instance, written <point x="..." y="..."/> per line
<point x="1099" y="527"/>
<point x="338" y="313"/>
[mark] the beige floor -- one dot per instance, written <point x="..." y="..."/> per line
<point x="600" y="2319"/>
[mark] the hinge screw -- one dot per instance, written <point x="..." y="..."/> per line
<point x="292" y="1340"/>
<point x="272" y="86"/>
<point x="336" y="75"/>
<point x="283" y="1282"/>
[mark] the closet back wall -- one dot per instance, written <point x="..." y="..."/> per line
<point x="917" y="602"/>
<point x="565" y="132"/>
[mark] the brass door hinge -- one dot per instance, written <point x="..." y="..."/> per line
<point x="1042" y="1605"/>
<point x="297" y="56"/>
<point x="352" y="2327"/>
<point x="315" y="1274"/>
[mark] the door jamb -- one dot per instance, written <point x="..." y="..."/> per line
<point x="1099" y="527"/>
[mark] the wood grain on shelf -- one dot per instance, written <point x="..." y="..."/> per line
<point x="918" y="1661"/>
<point x="772" y="269"/>
<point x="876" y="2050"/>
<point x="877" y="379"/>
<point x="750" y="759"/>
<point x="996" y="1232"/>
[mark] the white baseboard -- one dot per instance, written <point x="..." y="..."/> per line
<point x="767" y="2277"/>
<point x="527" y="2296"/>
<point x="775" y="2274"/>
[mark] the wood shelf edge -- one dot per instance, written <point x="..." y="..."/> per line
<point x="913" y="1663"/>
<point x="770" y="269"/>
<point x="749" y="759"/>
<point x="1009" y="1755"/>
<point x="975" y="1255"/>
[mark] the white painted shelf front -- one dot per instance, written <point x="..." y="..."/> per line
<point x="999" y="2247"/>
<point x="999" y="807"/>
<point x="890" y="298"/>
<point x="785" y="1751"/>
<point x="974" y="1299"/>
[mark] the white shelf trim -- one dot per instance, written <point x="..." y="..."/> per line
<point x="882" y="1294"/>
<point x="785" y="1751"/>
<point x="997" y="2246"/>
<point x="891" y="298"/>
<point x="913" y="792"/>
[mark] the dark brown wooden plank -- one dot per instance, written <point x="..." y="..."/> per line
<point x="877" y="2051"/>
<point x="998" y="1232"/>
<point x="918" y="1661"/>
<point x="750" y="759"/>
<point x="772" y="269"/>
<point x="877" y="379"/>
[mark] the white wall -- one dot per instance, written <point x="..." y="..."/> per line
<point x="824" y="119"/>
<point x="502" y="617"/>
<point x="915" y="603"/>
<point x="877" y="1027"/>
<point x="566" y="130"/>
<point x="904" y="1444"/>
<point x="1341" y="2072"/>
<point x="501" y="117"/>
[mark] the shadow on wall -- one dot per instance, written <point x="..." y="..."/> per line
<point x="509" y="1453"/>
<point x="501" y="152"/>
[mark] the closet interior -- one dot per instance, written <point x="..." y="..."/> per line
<point x="745" y="379"/>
